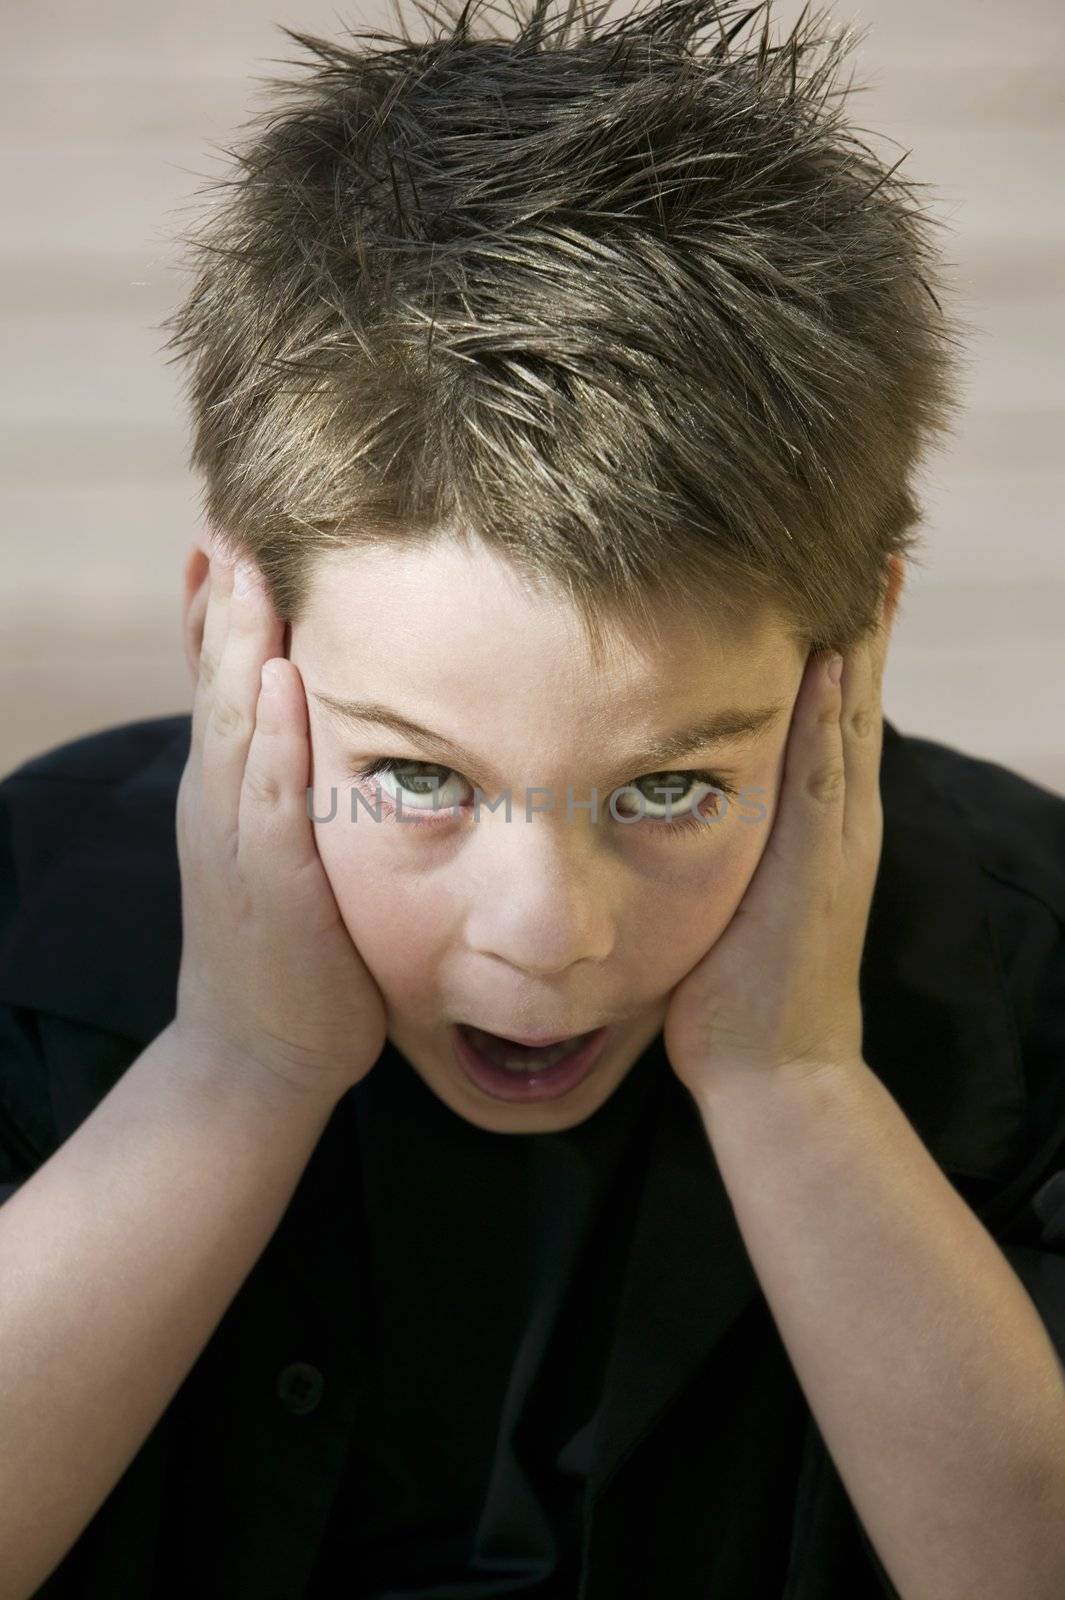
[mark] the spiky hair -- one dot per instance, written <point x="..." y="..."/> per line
<point x="626" y="299"/>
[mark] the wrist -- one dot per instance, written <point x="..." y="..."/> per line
<point x="202" y="1065"/>
<point x="732" y="1081"/>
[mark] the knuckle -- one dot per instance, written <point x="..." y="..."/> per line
<point x="863" y="721"/>
<point x="227" y="718"/>
<point x="262" y="788"/>
<point x="825" y="783"/>
<point x="208" y="667"/>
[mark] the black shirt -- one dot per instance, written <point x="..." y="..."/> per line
<point x="629" y="1424"/>
<point x="491" y="1309"/>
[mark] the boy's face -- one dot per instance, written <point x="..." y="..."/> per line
<point x="544" y="926"/>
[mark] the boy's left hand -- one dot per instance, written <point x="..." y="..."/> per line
<point x="779" y="988"/>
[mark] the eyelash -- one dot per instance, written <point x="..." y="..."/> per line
<point x="362" y="776"/>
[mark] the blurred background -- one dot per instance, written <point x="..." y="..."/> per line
<point x="107" y="113"/>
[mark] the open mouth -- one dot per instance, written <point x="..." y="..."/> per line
<point x="516" y="1057"/>
<point x="507" y="1070"/>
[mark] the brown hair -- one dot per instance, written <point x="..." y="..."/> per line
<point x="627" y="302"/>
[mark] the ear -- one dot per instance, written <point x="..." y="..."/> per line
<point x="197" y="583"/>
<point x="194" y="604"/>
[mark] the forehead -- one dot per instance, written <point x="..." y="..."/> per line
<point x="448" y="623"/>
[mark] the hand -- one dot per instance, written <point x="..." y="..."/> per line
<point x="779" y="988"/>
<point x="270" y="978"/>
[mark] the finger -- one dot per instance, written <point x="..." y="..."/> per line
<point x="807" y="829"/>
<point x="862" y="724"/>
<point x="274" y="831"/>
<point x="253" y="634"/>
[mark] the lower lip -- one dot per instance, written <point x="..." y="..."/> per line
<point x="523" y="1087"/>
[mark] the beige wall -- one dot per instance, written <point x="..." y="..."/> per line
<point x="106" y="114"/>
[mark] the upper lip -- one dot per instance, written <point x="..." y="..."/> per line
<point x="532" y="1040"/>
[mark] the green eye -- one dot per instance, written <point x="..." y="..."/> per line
<point x="667" y="801"/>
<point x="663" y="795"/>
<point x="421" y="790"/>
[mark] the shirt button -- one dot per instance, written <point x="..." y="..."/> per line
<point x="299" y="1386"/>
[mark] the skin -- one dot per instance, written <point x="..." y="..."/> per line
<point x="923" y="1359"/>
<point x="779" y="990"/>
<point x="549" y="924"/>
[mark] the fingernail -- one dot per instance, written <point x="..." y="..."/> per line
<point x="268" y="677"/>
<point x="835" y="669"/>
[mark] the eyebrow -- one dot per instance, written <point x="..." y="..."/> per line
<point x="718" y="727"/>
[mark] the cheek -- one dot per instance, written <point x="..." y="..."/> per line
<point x="399" y="929"/>
<point x="676" y="924"/>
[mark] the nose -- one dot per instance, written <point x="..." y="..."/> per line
<point x="542" y="902"/>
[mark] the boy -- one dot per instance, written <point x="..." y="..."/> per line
<point x="560" y="397"/>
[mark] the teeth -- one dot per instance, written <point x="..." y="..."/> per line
<point x="527" y="1061"/>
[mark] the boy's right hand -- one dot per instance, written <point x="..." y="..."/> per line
<point x="271" y="982"/>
